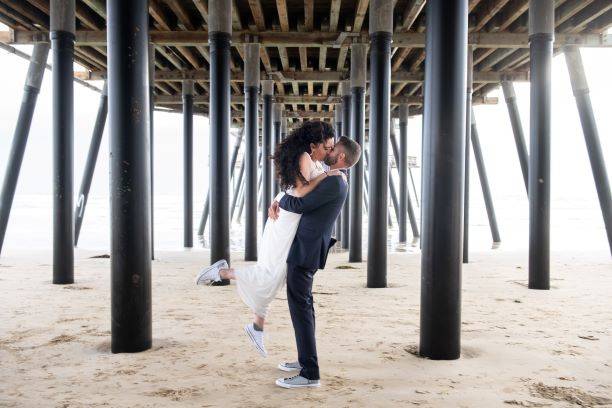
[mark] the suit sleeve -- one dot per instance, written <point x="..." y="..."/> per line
<point x="325" y="192"/>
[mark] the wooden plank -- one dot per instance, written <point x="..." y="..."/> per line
<point x="99" y="6"/>
<point x="585" y="16"/>
<point x="283" y="16"/>
<point x="156" y="11"/>
<point x="202" y="7"/>
<point x="511" y="13"/>
<point x="568" y="9"/>
<point x="294" y="77"/>
<point x="204" y="99"/>
<point x="303" y="58"/>
<point x="411" y="12"/>
<point x="334" y="14"/>
<point x="309" y="15"/>
<point x="258" y="15"/>
<point x="236" y="22"/>
<point x="487" y="12"/>
<point x="360" y="12"/>
<point x="322" y="58"/>
<point x="282" y="52"/>
<point x="265" y="59"/>
<point x="181" y="13"/>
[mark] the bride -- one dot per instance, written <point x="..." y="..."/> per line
<point x="297" y="161"/>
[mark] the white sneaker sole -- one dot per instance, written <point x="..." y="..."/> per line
<point x="283" y="384"/>
<point x="217" y="265"/>
<point x="261" y="351"/>
<point x="288" y="369"/>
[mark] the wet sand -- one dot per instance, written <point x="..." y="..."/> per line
<point x="519" y="347"/>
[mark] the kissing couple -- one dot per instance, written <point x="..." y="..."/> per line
<point x="296" y="240"/>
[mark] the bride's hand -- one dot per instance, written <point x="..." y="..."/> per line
<point x="335" y="172"/>
<point x="274" y="210"/>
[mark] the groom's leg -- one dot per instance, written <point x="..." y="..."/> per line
<point x="299" y="296"/>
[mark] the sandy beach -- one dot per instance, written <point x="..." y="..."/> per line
<point x="520" y="347"/>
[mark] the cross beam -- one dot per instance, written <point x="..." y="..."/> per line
<point x="313" y="39"/>
<point x="311" y="76"/>
<point x="307" y="99"/>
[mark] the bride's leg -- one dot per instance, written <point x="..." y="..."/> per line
<point x="259" y="321"/>
<point x="227" y="273"/>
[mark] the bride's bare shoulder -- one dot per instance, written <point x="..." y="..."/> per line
<point x="305" y="158"/>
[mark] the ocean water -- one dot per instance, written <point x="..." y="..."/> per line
<point x="576" y="224"/>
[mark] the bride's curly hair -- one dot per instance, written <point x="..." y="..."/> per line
<point x="287" y="154"/>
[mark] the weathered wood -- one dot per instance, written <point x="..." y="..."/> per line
<point x="283" y="16"/>
<point x="306" y="99"/>
<point x="202" y="7"/>
<point x="411" y="12"/>
<point x="258" y="14"/>
<point x="310" y="76"/>
<point x="313" y="39"/>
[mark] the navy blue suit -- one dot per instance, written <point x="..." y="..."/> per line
<point x="308" y="252"/>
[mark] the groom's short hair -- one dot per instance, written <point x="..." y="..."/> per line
<point x="351" y="150"/>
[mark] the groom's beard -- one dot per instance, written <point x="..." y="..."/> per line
<point x="329" y="160"/>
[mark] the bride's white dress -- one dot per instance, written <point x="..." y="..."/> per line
<point x="258" y="284"/>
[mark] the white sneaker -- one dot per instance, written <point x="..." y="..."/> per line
<point x="256" y="338"/>
<point x="210" y="274"/>
<point x="297" y="382"/>
<point x="293" y="366"/>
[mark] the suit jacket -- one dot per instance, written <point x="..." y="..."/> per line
<point x="319" y="210"/>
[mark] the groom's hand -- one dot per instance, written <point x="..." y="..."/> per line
<point x="274" y="210"/>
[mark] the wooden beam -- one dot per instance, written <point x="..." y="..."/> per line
<point x="181" y="13"/>
<point x="411" y="12"/>
<point x="309" y="15"/>
<point x="202" y="7"/>
<point x="307" y="100"/>
<point x="360" y="12"/>
<point x="258" y="15"/>
<point x="310" y="76"/>
<point x="283" y="16"/>
<point x="334" y="14"/>
<point x="487" y="12"/>
<point x="313" y="39"/>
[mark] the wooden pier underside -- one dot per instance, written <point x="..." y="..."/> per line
<point x="306" y="44"/>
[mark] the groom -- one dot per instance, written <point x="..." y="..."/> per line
<point x="308" y="253"/>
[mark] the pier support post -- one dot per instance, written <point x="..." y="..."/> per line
<point x="129" y="131"/>
<point x="251" y="163"/>
<point x="484" y="180"/>
<point x="206" y="210"/>
<point x="517" y="129"/>
<point x="188" y="163"/>
<point x="278" y="117"/>
<point x="152" y="141"/>
<point x="381" y="32"/>
<point x="62" y="33"/>
<point x="237" y="189"/>
<point x="468" y="127"/>
<point x="359" y="55"/>
<point x="580" y="88"/>
<point x="443" y="168"/>
<point x="31" y="89"/>
<point x="345" y="91"/>
<point x="541" y="37"/>
<point x="266" y="147"/>
<point x="402" y="164"/>
<point x="219" y="39"/>
<point x="90" y="163"/>
<point x="396" y="155"/>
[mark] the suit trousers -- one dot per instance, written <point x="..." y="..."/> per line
<point x="301" y="308"/>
